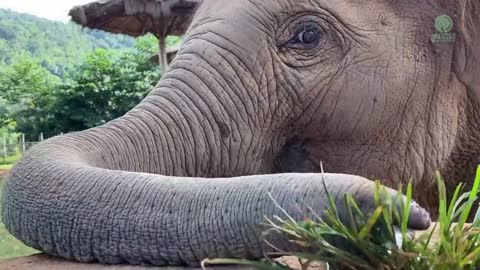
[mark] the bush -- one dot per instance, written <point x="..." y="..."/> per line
<point x="105" y="86"/>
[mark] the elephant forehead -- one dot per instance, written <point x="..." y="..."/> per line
<point x="269" y="9"/>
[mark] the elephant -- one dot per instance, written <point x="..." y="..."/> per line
<point x="261" y="96"/>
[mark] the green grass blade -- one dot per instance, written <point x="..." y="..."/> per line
<point x="406" y="211"/>
<point x="454" y="201"/>
<point x="471" y="201"/>
<point x="471" y="258"/>
<point x="429" y="239"/>
<point x="476" y="220"/>
<point x="370" y="223"/>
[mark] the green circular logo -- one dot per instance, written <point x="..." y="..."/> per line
<point x="443" y="23"/>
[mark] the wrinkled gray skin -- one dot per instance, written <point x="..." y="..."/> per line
<point x="373" y="97"/>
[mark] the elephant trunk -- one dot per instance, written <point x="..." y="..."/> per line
<point x="79" y="212"/>
<point x="84" y="196"/>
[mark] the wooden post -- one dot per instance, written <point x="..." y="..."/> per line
<point x="161" y="34"/>
<point x="40" y="138"/>
<point x="24" y="147"/>
<point x="162" y="53"/>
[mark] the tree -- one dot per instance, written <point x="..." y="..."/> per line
<point x="104" y="87"/>
<point x="4" y="112"/>
<point x="59" y="45"/>
<point x="25" y="93"/>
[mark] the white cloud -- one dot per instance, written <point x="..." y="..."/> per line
<point x="50" y="9"/>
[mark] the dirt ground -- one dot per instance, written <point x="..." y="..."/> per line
<point x="3" y="174"/>
<point x="43" y="262"/>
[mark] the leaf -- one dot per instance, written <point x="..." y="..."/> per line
<point x="370" y="223"/>
<point x="406" y="212"/>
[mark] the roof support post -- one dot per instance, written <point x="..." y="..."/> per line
<point x="162" y="54"/>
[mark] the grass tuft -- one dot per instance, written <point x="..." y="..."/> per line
<point x="10" y="159"/>
<point x="6" y="167"/>
<point x="371" y="243"/>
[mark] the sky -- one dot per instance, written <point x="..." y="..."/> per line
<point x="56" y="10"/>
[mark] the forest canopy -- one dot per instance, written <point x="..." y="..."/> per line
<point x="57" y="45"/>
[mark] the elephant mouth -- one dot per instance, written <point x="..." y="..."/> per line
<point x="295" y="157"/>
<point x="306" y="155"/>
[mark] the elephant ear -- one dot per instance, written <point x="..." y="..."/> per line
<point x="467" y="50"/>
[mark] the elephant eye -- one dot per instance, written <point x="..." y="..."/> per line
<point x="307" y="36"/>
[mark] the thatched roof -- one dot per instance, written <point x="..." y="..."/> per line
<point x="137" y="17"/>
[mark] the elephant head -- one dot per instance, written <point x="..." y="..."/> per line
<point x="259" y="87"/>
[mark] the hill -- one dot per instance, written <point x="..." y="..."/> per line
<point x="56" y="45"/>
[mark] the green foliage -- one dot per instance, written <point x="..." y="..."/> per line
<point x="7" y="163"/>
<point x="24" y="78"/>
<point x="25" y="88"/>
<point x="105" y="87"/>
<point x="58" y="46"/>
<point x="56" y="78"/>
<point x="6" y="167"/>
<point x="370" y="243"/>
<point x="173" y="41"/>
<point x="4" y="111"/>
